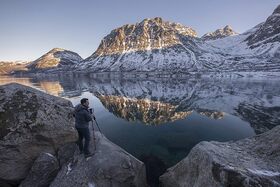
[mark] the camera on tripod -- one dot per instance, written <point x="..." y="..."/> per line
<point x="90" y="110"/>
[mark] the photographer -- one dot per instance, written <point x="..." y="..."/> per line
<point x="83" y="115"/>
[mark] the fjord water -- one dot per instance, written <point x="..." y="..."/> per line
<point x="161" y="119"/>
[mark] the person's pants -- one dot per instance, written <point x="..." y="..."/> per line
<point x="83" y="134"/>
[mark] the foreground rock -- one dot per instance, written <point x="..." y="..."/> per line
<point x="110" y="166"/>
<point x="43" y="171"/>
<point x="250" y="162"/>
<point x="31" y="122"/>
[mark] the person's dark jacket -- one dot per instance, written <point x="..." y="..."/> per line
<point x="82" y="116"/>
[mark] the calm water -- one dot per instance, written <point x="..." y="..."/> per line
<point x="164" y="118"/>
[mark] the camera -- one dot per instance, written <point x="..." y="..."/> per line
<point x="90" y="110"/>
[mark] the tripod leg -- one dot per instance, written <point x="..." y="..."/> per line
<point x="94" y="139"/>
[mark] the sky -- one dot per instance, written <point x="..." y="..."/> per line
<point x="30" y="28"/>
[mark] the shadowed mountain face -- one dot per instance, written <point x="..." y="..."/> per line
<point x="268" y="32"/>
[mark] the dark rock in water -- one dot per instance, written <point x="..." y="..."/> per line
<point x="31" y="122"/>
<point x="43" y="171"/>
<point x="109" y="166"/>
<point x="250" y="162"/>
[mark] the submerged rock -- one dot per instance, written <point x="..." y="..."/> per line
<point x="43" y="171"/>
<point x="109" y="166"/>
<point x="253" y="161"/>
<point x="31" y="122"/>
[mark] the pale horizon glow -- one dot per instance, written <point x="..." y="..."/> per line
<point x="31" y="28"/>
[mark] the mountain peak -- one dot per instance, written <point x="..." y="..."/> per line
<point x="219" y="33"/>
<point x="149" y="34"/>
<point x="56" y="49"/>
<point x="158" y="20"/>
<point x="227" y="27"/>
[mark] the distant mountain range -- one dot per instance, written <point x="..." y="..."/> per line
<point x="155" y="45"/>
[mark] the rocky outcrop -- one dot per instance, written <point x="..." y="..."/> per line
<point x="31" y="122"/>
<point x="219" y="33"/>
<point x="109" y="166"/>
<point x="250" y="162"/>
<point x="43" y="171"/>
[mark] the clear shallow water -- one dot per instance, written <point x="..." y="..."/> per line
<point x="163" y="118"/>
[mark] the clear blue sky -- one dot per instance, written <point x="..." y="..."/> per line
<point x="30" y="28"/>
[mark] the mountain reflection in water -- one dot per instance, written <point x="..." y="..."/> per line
<point x="147" y="111"/>
<point x="164" y="118"/>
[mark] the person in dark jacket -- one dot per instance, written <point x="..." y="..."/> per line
<point x="82" y="119"/>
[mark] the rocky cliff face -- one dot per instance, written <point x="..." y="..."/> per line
<point x="249" y="162"/>
<point x="147" y="35"/>
<point x="31" y="122"/>
<point x="219" y="33"/>
<point x="54" y="59"/>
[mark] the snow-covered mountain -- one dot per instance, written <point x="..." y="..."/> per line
<point x="157" y="45"/>
<point x="219" y="33"/>
<point x="150" y="45"/>
<point x="56" y="58"/>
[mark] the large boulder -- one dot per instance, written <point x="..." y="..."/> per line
<point x="109" y="166"/>
<point x="250" y="162"/>
<point x="43" y="171"/>
<point x="31" y="122"/>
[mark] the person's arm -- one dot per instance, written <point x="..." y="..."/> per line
<point x="88" y="117"/>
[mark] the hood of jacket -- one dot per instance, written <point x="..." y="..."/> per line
<point x="80" y="107"/>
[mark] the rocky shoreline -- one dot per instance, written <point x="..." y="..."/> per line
<point x="37" y="149"/>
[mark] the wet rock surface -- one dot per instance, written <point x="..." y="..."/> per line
<point x="250" y="162"/>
